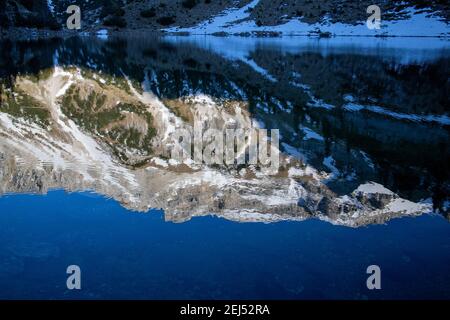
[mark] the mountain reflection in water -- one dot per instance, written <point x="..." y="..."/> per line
<point x="364" y="130"/>
<point x="358" y="109"/>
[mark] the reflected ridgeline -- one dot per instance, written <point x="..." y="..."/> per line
<point x="357" y="113"/>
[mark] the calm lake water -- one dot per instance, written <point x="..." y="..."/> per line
<point x="378" y="107"/>
<point x="140" y="256"/>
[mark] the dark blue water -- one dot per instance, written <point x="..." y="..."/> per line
<point x="139" y="256"/>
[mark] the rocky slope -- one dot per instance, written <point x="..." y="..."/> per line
<point x="103" y="120"/>
<point x="340" y="17"/>
<point x="67" y="145"/>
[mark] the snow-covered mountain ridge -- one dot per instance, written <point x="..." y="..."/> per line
<point x="241" y="17"/>
<point x="59" y="151"/>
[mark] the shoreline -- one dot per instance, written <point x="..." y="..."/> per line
<point x="33" y="33"/>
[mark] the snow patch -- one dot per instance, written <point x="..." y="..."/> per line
<point x="160" y="162"/>
<point x="372" y="188"/>
<point x="404" y="206"/>
<point x="441" y="119"/>
<point x="310" y="134"/>
<point x="102" y="34"/>
<point x="51" y="6"/>
<point x="236" y="20"/>
<point x="330" y="163"/>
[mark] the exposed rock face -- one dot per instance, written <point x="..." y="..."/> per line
<point x="157" y="15"/>
<point x="374" y="195"/>
<point x="336" y="10"/>
<point x="23" y="13"/>
<point x="65" y="149"/>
